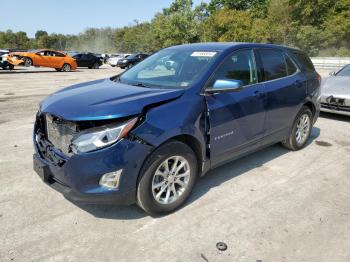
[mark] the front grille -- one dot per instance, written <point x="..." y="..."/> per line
<point x="60" y="132"/>
<point x="336" y="107"/>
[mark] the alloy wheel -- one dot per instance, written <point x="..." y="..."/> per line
<point x="303" y="129"/>
<point x="171" y="179"/>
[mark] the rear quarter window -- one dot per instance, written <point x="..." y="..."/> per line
<point x="304" y="61"/>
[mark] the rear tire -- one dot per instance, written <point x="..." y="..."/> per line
<point x="66" y="68"/>
<point x="164" y="186"/>
<point x="301" y="130"/>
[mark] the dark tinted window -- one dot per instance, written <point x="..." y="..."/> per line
<point x="57" y="54"/>
<point x="291" y="68"/>
<point x="238" y="66"/>
<point x="273" y="63"/>
<point x="304" y="61"/>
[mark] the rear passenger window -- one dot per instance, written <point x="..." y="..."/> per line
<point x="273" y="63"/>
<point x="291" y="68"/>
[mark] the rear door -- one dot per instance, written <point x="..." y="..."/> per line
<point x="236" y="118"/>
<point x="285" y="89"/>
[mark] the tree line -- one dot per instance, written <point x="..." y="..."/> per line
<point x="320" y="27"/>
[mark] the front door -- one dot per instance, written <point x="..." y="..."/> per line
<point x="236" y="117"/>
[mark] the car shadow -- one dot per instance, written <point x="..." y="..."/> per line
<point x="212" y="179"/>
<point x="335" y="117"/>
<point x="131" y="212"/>
<point x="22" y="71"/>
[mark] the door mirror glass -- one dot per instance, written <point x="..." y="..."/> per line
<point x="227" y="84"/>
<point x="222" y="86"/>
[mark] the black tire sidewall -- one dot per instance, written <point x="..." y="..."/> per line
<point x="28" y="62"/>
<point x="63" y="68"/>
<point x="145" y="197"/>
<point x="292" y="138"/>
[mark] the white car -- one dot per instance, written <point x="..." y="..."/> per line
<point x="112" y="61"/>
<point x="3" y="60"/>
<point x="335" y="94"/>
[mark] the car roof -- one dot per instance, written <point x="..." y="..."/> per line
<point x="222" y="46"/>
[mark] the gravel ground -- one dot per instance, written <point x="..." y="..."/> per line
<point x="273" y="205"/>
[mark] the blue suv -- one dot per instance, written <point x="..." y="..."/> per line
<point x="147" y="134"/>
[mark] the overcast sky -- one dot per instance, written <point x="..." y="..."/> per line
<point x="73" y="16"/>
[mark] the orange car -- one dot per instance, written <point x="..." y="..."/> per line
<point x="45" y="58"/>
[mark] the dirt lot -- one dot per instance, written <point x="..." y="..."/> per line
<point x="274" y="205"/>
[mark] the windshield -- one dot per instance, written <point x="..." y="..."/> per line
<point x="344" y="72"/>
<point x="169" y="69"/>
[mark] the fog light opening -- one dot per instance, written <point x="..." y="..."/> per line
<point x="111" y="180"/>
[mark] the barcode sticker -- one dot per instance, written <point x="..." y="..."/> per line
<point x="203" y="54"/>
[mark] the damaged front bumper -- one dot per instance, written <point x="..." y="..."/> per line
<point x="336" y="105"/>
<point x="14" y="60"/>
<point x="77" y="176"/>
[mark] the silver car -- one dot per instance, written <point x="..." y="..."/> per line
<point x="113" y="61"/>
<point x="335" y="92"/>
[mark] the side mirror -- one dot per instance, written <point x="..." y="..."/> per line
<point x="222" y="86"/>
<point x="332" y="73"/>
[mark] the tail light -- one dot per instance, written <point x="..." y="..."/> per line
<point x="319" y="78"/>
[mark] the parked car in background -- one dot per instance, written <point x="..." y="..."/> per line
<point x="88" y="60"/>
<point x="44" y="58"/>
<point x="146" y="135"/>
<point x="72" y="53"/>
<point x="3" y="60"/>
<point x="131" y="60"/>
<point x="113" y="60"/>
<point x="335" y="96"/>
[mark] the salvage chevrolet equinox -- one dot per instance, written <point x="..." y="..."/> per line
<point x="146" y="135"/>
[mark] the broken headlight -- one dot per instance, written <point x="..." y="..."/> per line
<point x="100" y="137"/>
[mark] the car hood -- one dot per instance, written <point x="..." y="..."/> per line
<point x="103" y="99"/>
<point x="336" y="86"/>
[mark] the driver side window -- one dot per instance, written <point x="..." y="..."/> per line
<point x="240" y="66"/>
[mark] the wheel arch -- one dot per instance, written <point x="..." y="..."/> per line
<point x="186" y="139"/>
<point x="311" y="106"/>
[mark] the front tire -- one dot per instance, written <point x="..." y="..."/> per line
<point x="167" y="178"/>
<point x="95" y="66"/>
<point x="300" y="131"/>
<point x="66" y="68"/>
<point x="27" y="62"/>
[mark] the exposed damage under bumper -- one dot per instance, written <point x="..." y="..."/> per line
<point x="336" y="104"/>
<point x="77" y="176"/>
<point x="15" y="60"/>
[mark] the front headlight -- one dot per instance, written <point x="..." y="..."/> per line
<point x="96" y="138"/>
<point x="124" y="61"/>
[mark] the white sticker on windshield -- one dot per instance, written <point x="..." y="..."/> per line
<point x="203" y="54"/>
